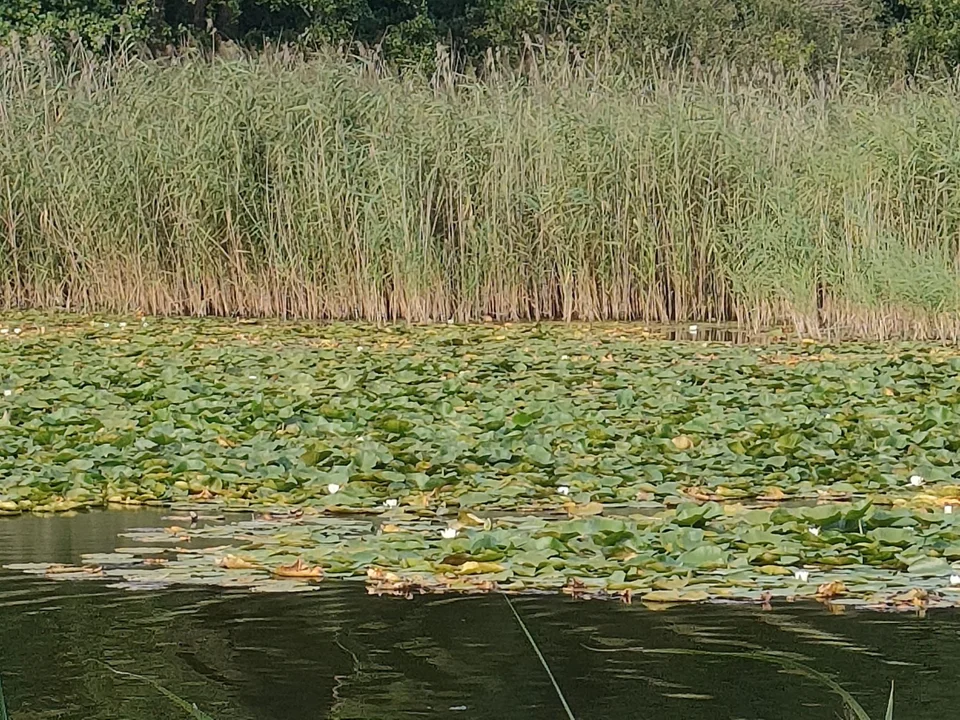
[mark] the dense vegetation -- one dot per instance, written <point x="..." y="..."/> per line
<point x="598" y="459"/>
<point x="293" y="186"/>
<point x="904" y="34"/>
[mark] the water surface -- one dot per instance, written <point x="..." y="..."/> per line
<point x="340" y="653"/>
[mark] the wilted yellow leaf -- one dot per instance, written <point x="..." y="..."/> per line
<point x="698" y="493"/>
<point x="232" y="562"/>
<point x="682" y="442"/>
<point x="831" y="589"/>
<point x="299" y="570"/>
<point x="591" y="508"/>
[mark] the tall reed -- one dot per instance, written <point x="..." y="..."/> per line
<point x="319" y="187"/>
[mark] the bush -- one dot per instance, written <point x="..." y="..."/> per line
<point x="932" y="33"/>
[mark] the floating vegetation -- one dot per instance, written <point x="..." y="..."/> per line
<point x="350" y="419"/>
<point x="598" y="461"/>
<point x="861" y="554"/>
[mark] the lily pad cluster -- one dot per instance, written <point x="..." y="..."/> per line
<point x="350" y="418"/>
<point x="840" y="553"/>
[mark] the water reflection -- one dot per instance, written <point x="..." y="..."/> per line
<point x="340" y="653"/>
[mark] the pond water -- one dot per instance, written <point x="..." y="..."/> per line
<point x="340" y="653"/>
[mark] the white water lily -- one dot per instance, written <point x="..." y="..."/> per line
<point x="251" y="377"/>
<point x="106" y="325"/>
<point x="360" y="439"/>
<point x="801" y="575"/>
<point x="17" y="331"/>
<point x="333" y="488"/>
<point x="4" y="331"/>
<point x="7" y="393"/>
<point x="123" y="324"/>
<point x="359" y="348"/>
<point x="693" y="329"/>
<point x="563" y="490"/>
<point x="916" y="480"/>
<point x="815" y="531"/>
<point x="391" y="503"/>
<point x="948" y="509"/>
<point x="448" y="533"/>
<point x="564" y="357"/>
<point x="955" y="579"/>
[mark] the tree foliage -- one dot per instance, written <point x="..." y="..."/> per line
<point x="808" y="33"/>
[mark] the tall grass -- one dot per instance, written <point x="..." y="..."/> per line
<point x="316" y="187"/>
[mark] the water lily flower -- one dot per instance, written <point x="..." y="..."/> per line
<point x="391" y="503"/>
<point x="564" y="357"/>
<point x="333" y="488"/>
<point x="7" y="393"/>
<point x="106" y="325"/>
<point x="4" y="331"/>
<point x="815" y="531"/>
<point x="955" y="579"/>
<point x="252" y="377"/>
<point x="693" y="329"/>
<point x="359" y="348"/>
<point x="17" y="331"/>
<point x="123" y="324"/>
<point x="563" y="490"/>
<point x="948" y="509"/>
<point x="801" y="575"/>
<point x="916" y="480"/>
<point x="448" y="533"/>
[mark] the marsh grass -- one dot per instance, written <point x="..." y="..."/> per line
<point x="315" y="186"/>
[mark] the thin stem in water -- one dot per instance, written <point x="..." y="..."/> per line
<point x="171" y="696"/>
<point x="3" y="704"/>
<point x="543" y="660"/>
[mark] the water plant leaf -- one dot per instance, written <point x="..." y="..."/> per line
<point x="298" y="569"/>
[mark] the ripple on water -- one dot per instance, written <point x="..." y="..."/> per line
<point x="341" y="653"/>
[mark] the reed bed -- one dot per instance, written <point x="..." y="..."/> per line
<point x="285" y="185"/>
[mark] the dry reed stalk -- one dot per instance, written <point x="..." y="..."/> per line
<point x="318" y="187"/>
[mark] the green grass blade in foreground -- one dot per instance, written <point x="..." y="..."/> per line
<point x="188" y="707"/>
<point x="889" y="715"/>
<point x="850" y="703"/>
<point x="543" y="660"/>
<point x="3" y="704"/>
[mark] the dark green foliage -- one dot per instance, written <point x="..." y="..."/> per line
<point x="812" y="33"/>
<point x="931" y="31"/>
<point x="92" y="21"/>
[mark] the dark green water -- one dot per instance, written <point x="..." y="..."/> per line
<point x="339" y="653"/>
